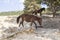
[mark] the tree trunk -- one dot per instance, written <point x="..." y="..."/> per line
<point x="54" y="12"/>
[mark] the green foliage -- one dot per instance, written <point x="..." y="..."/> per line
<point x="54" y="5"/>
<point x="31" y="5"/>
<point x="38" y="1"/>
<point x="11" y="13"/>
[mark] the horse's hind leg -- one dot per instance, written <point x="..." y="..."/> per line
<point x="21" y="23"/>
<point x="31" y="24"/>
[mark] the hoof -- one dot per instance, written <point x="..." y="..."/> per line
<point x="40" y="26"/>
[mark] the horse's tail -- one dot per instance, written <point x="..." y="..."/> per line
<point x="18" y="19"/>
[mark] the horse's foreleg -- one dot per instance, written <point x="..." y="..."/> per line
<point x="40" y="14"/>
<point x="40" y="23"/>
<point x="35" y="24"/>
<point x="36" y="13"/>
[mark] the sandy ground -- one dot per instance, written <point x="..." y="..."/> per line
<point x="9" y="29"/>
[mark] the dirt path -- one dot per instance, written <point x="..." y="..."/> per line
<point x="8" y="27"/>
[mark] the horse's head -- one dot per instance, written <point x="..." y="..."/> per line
<point x="43" y="9"/>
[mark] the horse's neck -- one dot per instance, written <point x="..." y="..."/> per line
<point x="39" y="10"/>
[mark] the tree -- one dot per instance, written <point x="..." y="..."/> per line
<point x="54" y="5"/>
<point x="31" y="5"/>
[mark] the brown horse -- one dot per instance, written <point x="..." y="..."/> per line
<point x="29" y="18"/>
<point x="38" y="11"/>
